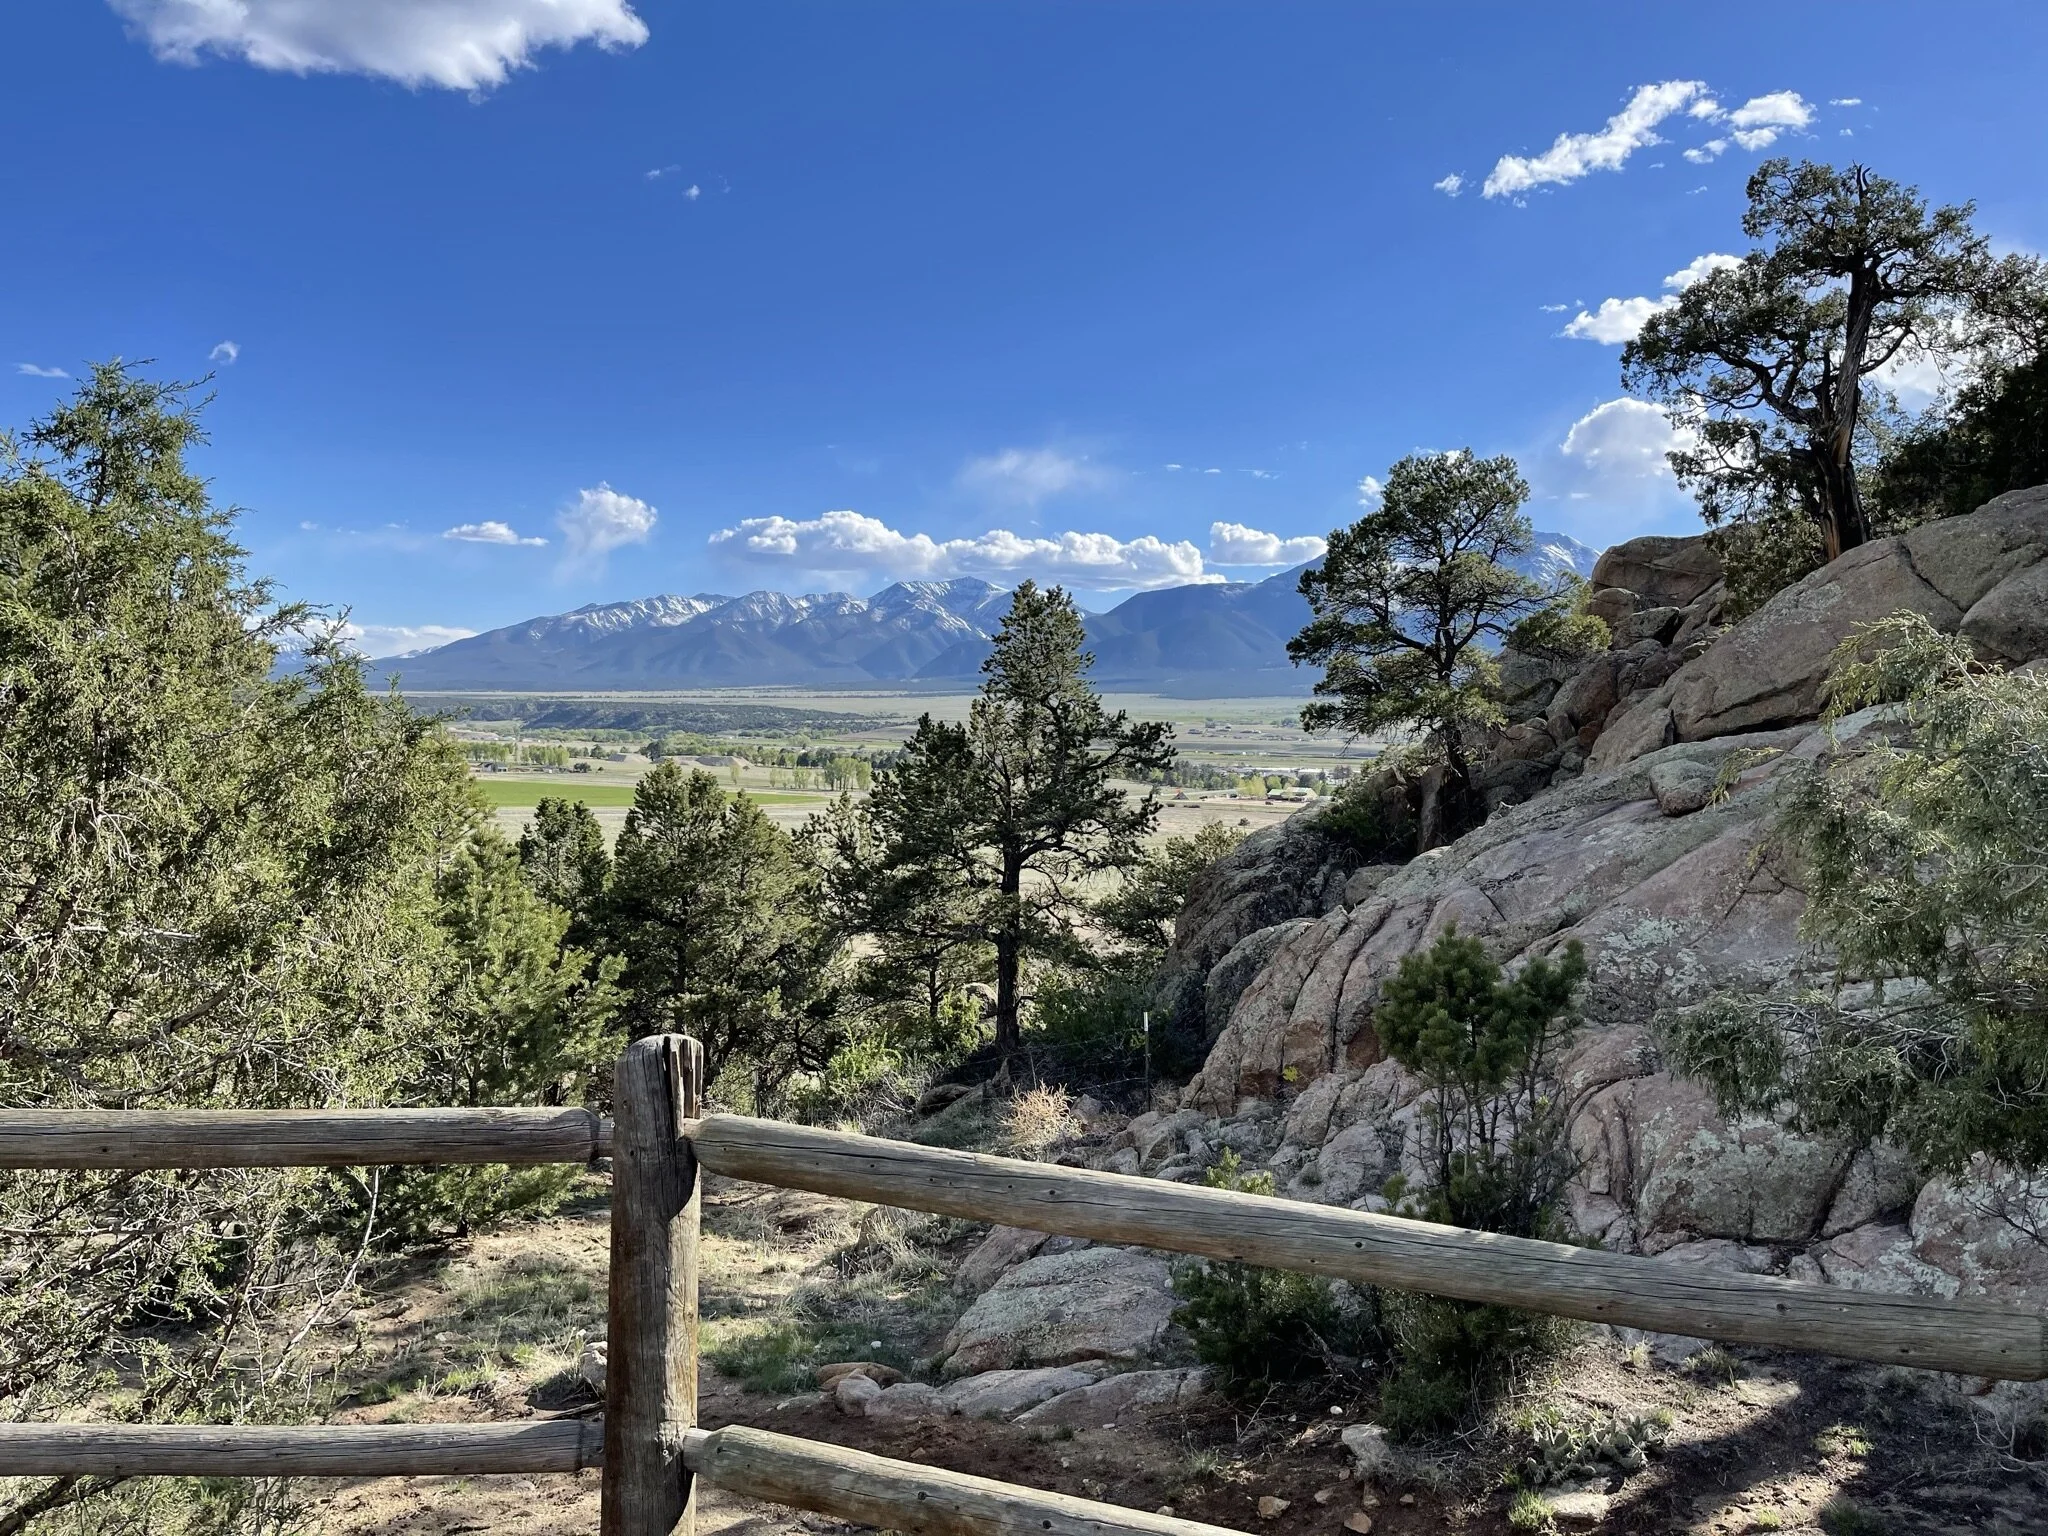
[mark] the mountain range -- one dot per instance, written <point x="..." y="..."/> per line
<point x="1201" y="641"/>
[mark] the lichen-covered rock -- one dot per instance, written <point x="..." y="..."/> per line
<point x="1005" y="1394"/>
<point x="1002" y="1250"/>
<point x="1986" y="1228"/>
<point x="1666" y="571"/>
<point x="1106" y="1401"/>
<point x="1677" y="896"/>
<point x="1770" y="670"/>
<point x="1682" y="787"/>
<point x="1059" y="1309"/>
<point x="905" y="1401"/>
<point x="1229" y="976"/>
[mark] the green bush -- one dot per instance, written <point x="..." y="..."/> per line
<point x="1254" y="1326"/>
<point x="1498" y="1159"/>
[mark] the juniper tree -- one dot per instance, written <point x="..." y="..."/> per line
<point x="217" y="890"/>
<point x="1924" y="859"/>
<point x="719" y="923"/>
<point x="1408" y="601"/>
<point x="1767" y="364"/>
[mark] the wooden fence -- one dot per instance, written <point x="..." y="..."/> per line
<point x="648" y="1444"/>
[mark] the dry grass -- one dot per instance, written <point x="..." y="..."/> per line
<point x="1038" y="1120"/>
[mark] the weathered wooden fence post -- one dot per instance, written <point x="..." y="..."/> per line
<point x="651" y="1350"/>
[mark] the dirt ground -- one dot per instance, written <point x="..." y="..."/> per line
<point x="491" y="1329"/>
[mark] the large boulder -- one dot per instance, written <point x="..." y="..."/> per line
<point x="1060" y="1309"/>
<point x="1666" y="572"/>
<point x="1985" y="575"/>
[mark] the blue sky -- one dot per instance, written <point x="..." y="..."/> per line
<point x="513" y="305"/>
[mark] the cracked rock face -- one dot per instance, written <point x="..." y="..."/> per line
<point x="1669" y="878"/>
<point x="1061" y="1309"/>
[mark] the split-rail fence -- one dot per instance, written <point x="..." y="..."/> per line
<point x="648" y="1445"/>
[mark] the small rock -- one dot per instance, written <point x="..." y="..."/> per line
<point x="1368" y="1500"/>
<point x="1324" y="1495"/>
<point x="853" y="1392"/>
<point x="590" y="1365"/>
<point x="1682" y="787"/>
<point x="1164" y="1509"/>
<point x="1408" y="1499"/>
<point x="1358" y="1521"/>
<point x="907" y="1400"/>
<point x="1371" y="1456"/>
<point x="1271" y="1508"/>
<point x="881" y="1375"/>
<point x="1583" y="1508"/>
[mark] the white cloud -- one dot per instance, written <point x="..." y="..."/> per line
<point x="225" y="352"/>
<point x="1705" y="107"/>
<point x="1625" y="439"/>
<point x="1618" y="320"/>
<point x="36" y="371"/>
<point x="1615" y="321"/>
<point x="693" y="192"/>
<point x="1700" y="267"/>
<point x="854" y="544"/>
<point x="1759" y="120"/>
<point x="376" y="640"/>
<point x="1713" y="149"/>
<point x="599" y="521"/>
<point x="1371" y="494"/>
<point x="1235" y="544"/>
<point x="491" y="532"/>
<point x="1025" y="477"/>
<point x="1450" y="186"/>
<point x="462" y="45"/>
<point x="1845" y="101"/>
<point x="1575" y="155"/>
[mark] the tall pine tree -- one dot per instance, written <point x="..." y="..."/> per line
<point x="1010" y="812"/>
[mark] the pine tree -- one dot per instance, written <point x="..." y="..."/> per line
<point x="563" y="855"/>
<point x="1007" y="812"/>
<point x="719" y="923"/>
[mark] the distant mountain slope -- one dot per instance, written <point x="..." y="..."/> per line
<point x="1222" y="637"/>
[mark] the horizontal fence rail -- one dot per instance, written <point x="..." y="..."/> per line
<point x="336" y="1450"/>
<point x="296" y="1138"/>
<point x="903" y="1496"/>
<point x="1973" y="1338"/>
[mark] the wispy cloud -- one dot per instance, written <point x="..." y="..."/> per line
<point x="1371" y="494"/>
<point x="599" y="521"/>
<point x="1450" y="186"/>
<point x="225" y="352"/>
<point x="491" y="532"/>
<point x="461" y="45"/>
<point x="1576" y="155"/>
<point x="1845" y="101"/>
<point x="1235" y="544"/>
<point x="1618" y="320"/>
<point x="1027" y="476"/>
<point x="851" y="544"/>
<point x="37" y="371"/>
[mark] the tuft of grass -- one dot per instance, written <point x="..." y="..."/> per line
<point x="1529" y="1513"/>
<point x="1716" y="1365"/>
<point x="1845" y="1517"/>
<point x="1767" y="1520"/>
<point x="1842" y="1440"/>
<point x="1039" y="1119"/>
